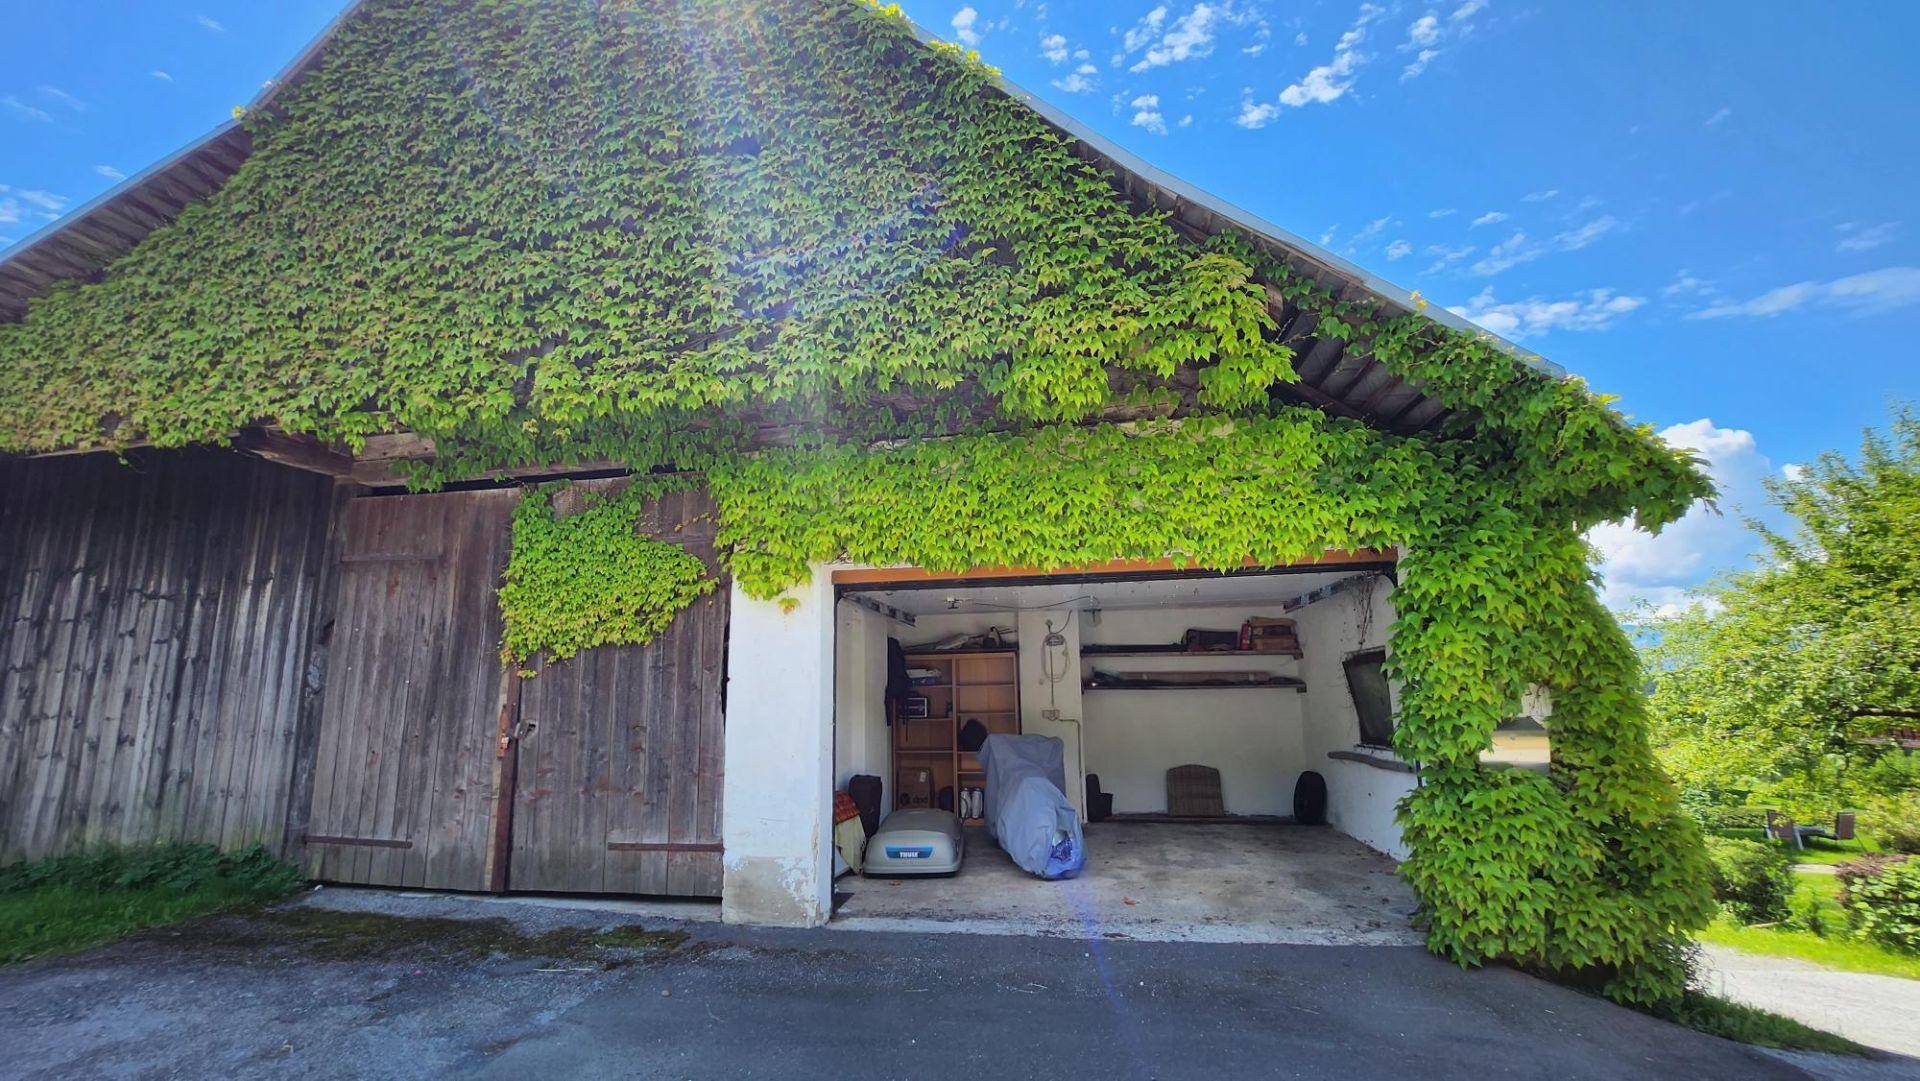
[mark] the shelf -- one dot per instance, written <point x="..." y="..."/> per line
<point x="1281" y="683"/>
<point x="1097" y="650"/>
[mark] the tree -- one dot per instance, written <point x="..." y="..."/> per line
<point x="1780" y="685"/>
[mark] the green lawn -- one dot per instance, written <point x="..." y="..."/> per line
<point x="70" y="903"/>
<point x="1747" y="1024"/>
<point x="1817" y="850"/>
<point x="1819" y="894"/>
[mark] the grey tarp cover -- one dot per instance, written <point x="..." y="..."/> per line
<point x="1027" y="807"/>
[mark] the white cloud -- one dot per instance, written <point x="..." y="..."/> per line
<point x="1399" y="249"/>
<point x="1080" y="81"/>
<point x="1186" y="121"/>
<point x="1869" y="293"/>
<point x="1054" y="48"/>
<point x="54" y="93"/>
<point x="963" y="26"/>
<point x="207" y="22"/>
<point x="1145" y="30"/>
<point x="17" y="205"/>
<point x="1507" y="254"/>
<point x="1191" y="35"/>
<point x="24" y="111"/>
<point x="1794" y="472"/>
<point x="1374" y="228"/>
<point x="1445" y="258"/>
<point x="1255" y="49"/>
<point x="110" y="172"/>
<point x="1640" y="568"/>
<point x="1331" y="80"/>
<point x="1575" y="239"/>
<point x="1855" y="237"/>
<point x="1539" y="196"/>
<point x="1256" y="114"/>
<point x="1491" y="217"/>
<point x="162" y="75"/>
<point x="1719" y="117"/>
<point x="1686" y="283"/>
<point x="1146" y="114"/>
<point x="1595" y="309"/>
<point x="1443" y="212"/>
<point x="1427" y="36"/>
<point x="1517" y="249"/>
<point x="1188" y="37"/>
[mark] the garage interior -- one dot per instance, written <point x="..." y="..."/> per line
<point x="1194" y="700"/>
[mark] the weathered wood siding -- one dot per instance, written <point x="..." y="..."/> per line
<point x="620" y="759"/>
<point x="403" y="786"/>
<point x="156" y="620"/>
<point x="610" y="780"/>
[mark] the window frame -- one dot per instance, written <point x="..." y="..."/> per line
<point x="1359" y="659"/>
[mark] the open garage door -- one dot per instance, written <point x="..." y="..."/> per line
<point x="1199" y="700"/>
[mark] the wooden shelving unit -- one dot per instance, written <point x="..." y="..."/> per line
<point x="982" y="684"/>
<point x="1277" y="683"/>
<point x="1097" y="650"/>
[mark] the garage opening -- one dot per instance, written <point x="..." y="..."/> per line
<point x="1221" y="738"/>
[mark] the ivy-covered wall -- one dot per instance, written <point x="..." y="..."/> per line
<point x="561" y="230"/>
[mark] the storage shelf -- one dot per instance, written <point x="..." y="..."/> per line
<point x="989" y="677"/>
<point x="1282" y="684"/>
<point x="1096" y="650"/>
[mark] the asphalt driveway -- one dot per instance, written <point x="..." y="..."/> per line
<point x="518" y="992"/>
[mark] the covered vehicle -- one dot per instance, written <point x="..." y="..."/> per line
<point x="1027" y="807"/>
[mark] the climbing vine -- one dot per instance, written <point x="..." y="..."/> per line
<point x="1590" y="870"/>
<point x="591" y="578"/>
<point x="642" y="230"/>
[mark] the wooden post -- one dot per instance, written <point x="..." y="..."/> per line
<point x="506" y="767"/>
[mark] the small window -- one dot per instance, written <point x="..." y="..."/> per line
<point x="1367" y="682"/>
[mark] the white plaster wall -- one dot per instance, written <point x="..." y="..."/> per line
<point x="1360" y="798"/>
<point x="1040" y="696"/>
<point x="861" y="743"/>
<point x="778" y="793"/>
<point x="1253" y="737"/>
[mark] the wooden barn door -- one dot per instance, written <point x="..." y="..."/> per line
<point x="620" y="752"/>
<point x="613" y="782"/>
<point x="404" y="776"/>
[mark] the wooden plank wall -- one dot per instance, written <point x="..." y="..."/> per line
<point x="156" y="626"/>
<point x="403" y="778"/>
<point x="620" y="761"/>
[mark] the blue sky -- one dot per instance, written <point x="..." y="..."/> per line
<point x="1704" y="208"/>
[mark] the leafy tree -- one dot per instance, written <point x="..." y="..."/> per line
<point x="1773" y="688"/>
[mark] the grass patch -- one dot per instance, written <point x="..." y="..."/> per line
<point x="329" y="935"/>
<point x="1816" y="902"/>
<point x="1817" y="850"/>
<point x="68" y="903"/>
<point x="1706" y="1013"/>
<point x="1846" y="954"/>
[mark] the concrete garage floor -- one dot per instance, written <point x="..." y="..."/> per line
<point x="1159" y="881"/>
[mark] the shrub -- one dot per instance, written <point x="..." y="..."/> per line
<point x="1751" y="880"/>
<point x="1716" y="819"/>
<point x="1894" y="821"/>
<point x="1883" y="900"/>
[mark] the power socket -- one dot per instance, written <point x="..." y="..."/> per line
<point x="1049" y="714"/>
